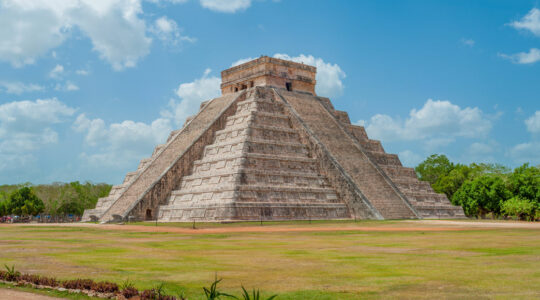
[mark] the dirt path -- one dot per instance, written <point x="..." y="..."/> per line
<point x="19" y="295"/>
<point x="416" y="225"/>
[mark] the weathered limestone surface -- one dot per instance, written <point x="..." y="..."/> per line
<point x="152" y="185"/>
<point x="256" y="168"/>
<point x="270" y="149"/>
<point x="373" y="183"/>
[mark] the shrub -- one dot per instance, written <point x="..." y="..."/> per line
<point x="78" y="284"/>
<point x="212" y="292"/>
<point x="11" y="274"/>
<point x="30" y="278"/>
<point x="48" y="281"/>
<point x="523" y="209"/>
<point x="129" y="292"/>
<point x="149" y="295"/>
<point x="105" y="287"/>
<point x="255" y="295"/>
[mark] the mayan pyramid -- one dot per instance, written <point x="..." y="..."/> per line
<point x="270" y="149"/>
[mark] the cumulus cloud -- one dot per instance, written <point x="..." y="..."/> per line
<point x="56" y="72"/>
<point x="524" y="57"/>
<point x="530" y="22"/>
<point x="329" y="76"/>
<point x="526" y="152"/>
<point x="533" y="123"/>
<point x="118" y="145"/>
<point x="68" y="86"/>
<point x="17" y="88"/>
<point x="29" y="29"/>
<point x="436" y="123"/>
<point x="226" y="6"/>
<point x="168" y="32"/>
<point x="26" y="126"/>
<point x="190" y="95"/>
<point x="82" y="72"/>
<point x="468" y="42"/>
<point x="409" y="158"/>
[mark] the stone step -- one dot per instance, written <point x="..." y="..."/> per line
<point x="254" y="193"/>
<point x="413" y="185"/>
<point x="172" y="134"/>
<point x="371" y="145"/>
<point x="253" y="211"/>
<point x="425" y="197"/>
<point x="260" y="132"/>
<point x="251" y="145"/>
<point x="130" y="176"/>
<point x="259" y="105"/>
<point x="144" y="162"/>
<point x="158" y="148"/>
<point x="395" y="172"/>
<point x="385" y="159"/>
<point x="259" y="118"/>
<point x="253" y="176"/>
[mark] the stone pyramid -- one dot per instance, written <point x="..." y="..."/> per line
<point x="270" y="149"/>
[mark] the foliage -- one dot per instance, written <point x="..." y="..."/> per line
<point x="78" y="284"/>
<point x="434" y="167"/>
<point x="212" y="293"/>
<point x="524" y="182"/>
<point x="523" y="209"/>
<point x="11" y="274"/>
<point x="4" y="208"/>
<point x="482" y="195"/>
<point x="61" y="198"/>
<point x="25" y="202"/>
<point x="255" y="295"/>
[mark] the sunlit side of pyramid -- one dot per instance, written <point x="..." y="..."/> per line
<point x="270" y="149"/>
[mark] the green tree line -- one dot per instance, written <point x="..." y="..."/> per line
<point x="55" y="199"/>
<point x="485" y="189"/>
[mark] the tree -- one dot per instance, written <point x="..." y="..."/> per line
<point x="524" y="182"/>
<point x="3" y="208"/>
<point x="482" y="195"/>
<point x="523" y="209"/>
<point x="434" y="167"/>
<point x="25" y="202"/>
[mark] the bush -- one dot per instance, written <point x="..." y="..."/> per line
<point x="105" y="287"/>
<point x="481" y="196"/>
<point x="523" y="209"/>
<point x="78" y="284"/>
<point x="11" y="274"/>
<point x="129" y="292"/>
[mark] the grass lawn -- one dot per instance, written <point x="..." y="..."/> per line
<point x="480" y="263"/>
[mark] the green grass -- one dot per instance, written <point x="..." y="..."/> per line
<point x="496" y="263"/>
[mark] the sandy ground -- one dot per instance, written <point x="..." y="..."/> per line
<point x="416" y="225"/>
<point x="14" y="294"/>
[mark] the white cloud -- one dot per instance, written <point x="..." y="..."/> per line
<point x="191" y="94"/>
<point x="530" y="22"/>
<point x="524" y="57"/>
<point x="533" y="123"/>
<point x="56" y="72"/>
<point x="526" y="152"/>
<point x="437" y="123"/>
<point x="226" y="6"/>
<point x="17" y="88"/>
<point x="68" y="86"/>
<point x="468" y="42"/>
<point x="82" y="72"/>
<point x="409" y="158"/>
<point x="329" y="76"/>
<point x="168" y="32"/>
<point x="26" y="126"/>
<point x="118" y="145"/>
<point x="29" y="29"/>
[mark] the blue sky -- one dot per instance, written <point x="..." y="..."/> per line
<point x="88" y="88"/>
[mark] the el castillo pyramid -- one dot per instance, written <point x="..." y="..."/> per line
<point x="270" y="149"/>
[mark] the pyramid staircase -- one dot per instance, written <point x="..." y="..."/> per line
<point x="256" y="168"/>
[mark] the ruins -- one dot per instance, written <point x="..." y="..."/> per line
<point x="270" y="149"/>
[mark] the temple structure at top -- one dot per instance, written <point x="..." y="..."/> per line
<point x="269" y="72"/>
<point x="269" y="148"/>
